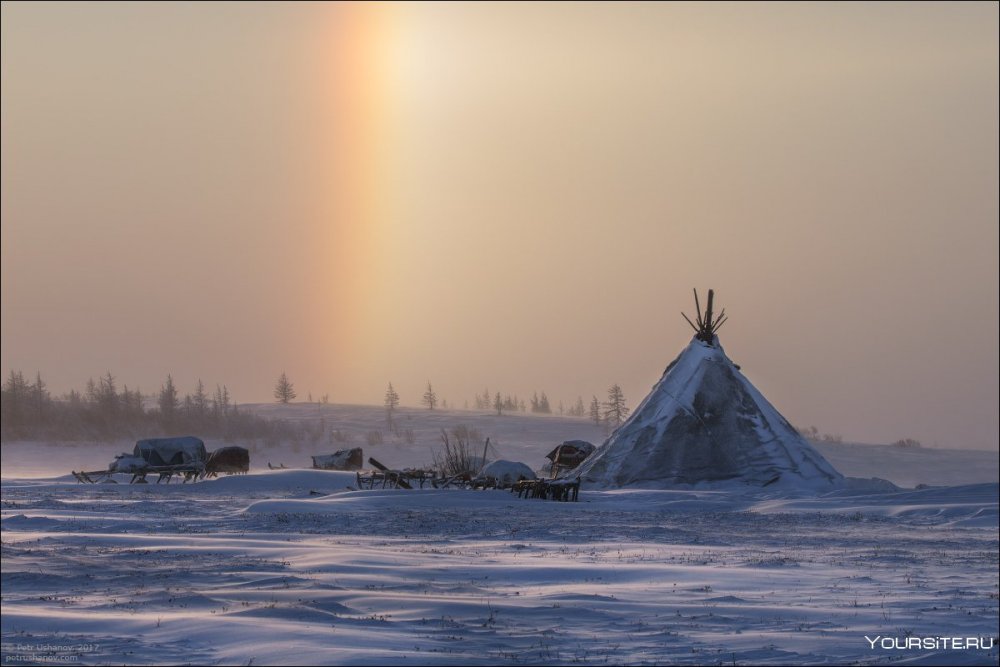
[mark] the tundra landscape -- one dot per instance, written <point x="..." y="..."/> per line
<point x="472" y="333"/>
<point x="290" y="566"/>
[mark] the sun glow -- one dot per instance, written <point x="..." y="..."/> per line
<point x="357" y="154"/>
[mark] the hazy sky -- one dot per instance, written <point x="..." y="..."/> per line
<point x="513" y="196"/>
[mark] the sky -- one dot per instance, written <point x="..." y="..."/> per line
<point x="513" y="196"/>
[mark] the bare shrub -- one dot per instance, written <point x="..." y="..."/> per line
<point x="458" y="457"/>
<point x="409" y="436"/>
<point x="374" y="438"/>
<point x="907" y="443"/>
<point x="340" y="436"/>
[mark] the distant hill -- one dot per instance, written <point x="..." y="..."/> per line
<point x="523" y="437"/>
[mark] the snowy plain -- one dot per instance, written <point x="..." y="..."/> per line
<point x="292" y="567"/>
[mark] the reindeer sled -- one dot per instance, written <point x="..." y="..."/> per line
<point x="184" y="456"/>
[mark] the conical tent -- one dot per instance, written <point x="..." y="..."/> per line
<point x="705" y="422"/>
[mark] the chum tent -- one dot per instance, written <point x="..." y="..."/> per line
<point x="705" y="422"/>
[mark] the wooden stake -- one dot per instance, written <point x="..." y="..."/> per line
<point x="708" y="312"/>
<point x="697" y="309"/>
<point x="706" y="324"/>
<point x="486" y="448"/>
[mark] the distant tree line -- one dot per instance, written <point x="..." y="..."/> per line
<point x="506" y="403"/>
<point x="814" y="434"/>
<point x="103" y="410"/>
<point x="611" y="412"/>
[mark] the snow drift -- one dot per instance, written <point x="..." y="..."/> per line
<point x="507" y="472"/>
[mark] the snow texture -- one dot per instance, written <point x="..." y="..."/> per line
<point x="705" y="422"/>
<point x="292" y="567"/>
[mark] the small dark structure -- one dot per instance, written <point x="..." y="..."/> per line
<point x="345" y="459"/>
<point x="184" y="455"/>
<point x="230" y="460"/>
<point x="569" y="455"/>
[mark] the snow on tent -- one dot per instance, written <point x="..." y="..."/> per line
<point x="705" y="422"/>
<point x="171" y="451"/>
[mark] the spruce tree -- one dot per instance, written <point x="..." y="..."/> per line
<point x="595" y="411"/>
<point x="284" y="391"/>
<point x="430" y="398"/>
<point x="168" y="403"/>
<point x="615" y="411"/>
<point x="391" y="402"/>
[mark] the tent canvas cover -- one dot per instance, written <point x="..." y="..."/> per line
<point x="705" y="422"/>
<point x="171" y="451"/>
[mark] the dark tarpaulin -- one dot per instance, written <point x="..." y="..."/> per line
<point x="171" y="451"/>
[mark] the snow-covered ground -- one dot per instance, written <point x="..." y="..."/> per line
<point x="289" y="566"/>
